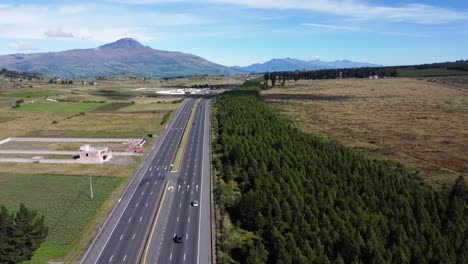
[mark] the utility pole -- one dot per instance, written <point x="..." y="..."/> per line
<point x="91" y="187"/>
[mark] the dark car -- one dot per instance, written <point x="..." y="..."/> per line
<point x="178" y="238"/>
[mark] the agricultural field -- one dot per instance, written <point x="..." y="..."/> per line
<point x="31" y="94"/>
<point x="58" y="107"/>
<point x="420" y="123"/>
<point x="64" y="200"/>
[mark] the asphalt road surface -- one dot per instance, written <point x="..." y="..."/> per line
<point x="178" y="217"/>
<point x="123" y="235"/>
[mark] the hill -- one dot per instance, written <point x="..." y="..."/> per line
<point x="289" y="64"/>
<point x="123" y="56"/>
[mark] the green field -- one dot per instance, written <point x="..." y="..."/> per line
<point x="60" y="107"/>
<point x="31" y="94"/>
<point x="65" y="202"/>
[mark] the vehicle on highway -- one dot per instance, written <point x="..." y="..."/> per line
<point x="178" y="238"/>
<point x="194" y="203"/>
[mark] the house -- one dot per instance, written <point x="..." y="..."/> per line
<point x="92" y="155"/>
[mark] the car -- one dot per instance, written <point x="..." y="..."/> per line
<point x="194" y="203"/>
<point x="178" y="238"/>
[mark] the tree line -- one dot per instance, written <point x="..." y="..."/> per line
<point x="380" y="72"/>
<point x="364" y="72"/>
<point x="21" y="234"/>
<point x="303" y="199"/>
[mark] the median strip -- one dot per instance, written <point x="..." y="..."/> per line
<point x="155" y="220"/>
<point x="183" y="141"/>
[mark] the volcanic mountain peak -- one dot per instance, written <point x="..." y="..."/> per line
<point x="125" y="43"/>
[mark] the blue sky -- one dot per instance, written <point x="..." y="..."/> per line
<point x="241" y="32"/>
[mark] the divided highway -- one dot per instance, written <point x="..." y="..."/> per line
<point x="178" y="215"/>
<point x="125" y="233"/>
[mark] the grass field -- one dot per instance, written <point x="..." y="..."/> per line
<point x="65" y="202"/>
<point x="110" y="125"/>
<point x="105" y="170"/>
<point x="60" y="107"/>
<point x="415" y="122"/>
<point x="38" y="94"/>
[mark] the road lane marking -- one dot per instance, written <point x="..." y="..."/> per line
<point x="125" y="257"/>
<point x="184" y="256"/>
<point x="111" y="258"/>
<point x="180" y="205"/>
<point x="129" y="219"/>
<point x="121" y="237"/>
<point x="136" y="205"/>
<point x="170" y="258"/>
<point x="154" y="219"/>
<point x="177" y="219"/>
<point x="146" y="205"/>
<point x="151" y="193"/>
<point x="133" y="237"/>
<point x="141" y="218"/>
<point x="188" y="220"/>
<point x="143" y="192"/>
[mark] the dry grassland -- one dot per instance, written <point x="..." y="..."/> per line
<point x="415" y="122"/>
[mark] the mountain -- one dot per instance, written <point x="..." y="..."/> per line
<point x="289" y="64"/>
<point x="123" y="56"/>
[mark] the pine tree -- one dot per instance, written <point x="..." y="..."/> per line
<point x="28" y="233"/>
<point x="6" y="226"/>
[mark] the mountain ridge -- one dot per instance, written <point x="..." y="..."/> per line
<point x="122" y="56"/>
<point x="291" y="64"/>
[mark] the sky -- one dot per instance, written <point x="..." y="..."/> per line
<point x="242" y="32"/>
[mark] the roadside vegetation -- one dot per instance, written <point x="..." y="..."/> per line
<point x="183" y="140"/>
<point x="285" y="196"/>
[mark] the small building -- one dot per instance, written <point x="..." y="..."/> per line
<point x="92" y="155"/>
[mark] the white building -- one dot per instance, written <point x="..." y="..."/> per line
<point x="92" y="155"/>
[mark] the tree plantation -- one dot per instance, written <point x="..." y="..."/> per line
<point x="298" y="198"/>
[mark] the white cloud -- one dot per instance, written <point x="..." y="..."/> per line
<point x="414" y="13"/>
<point x="72" y="9"/>
<point x="387" y="33"/>
<point x="21" y="45"/>
<point x="58" y="33"/>
<point x="86" y="23"/>
<point x="332" y="27"/>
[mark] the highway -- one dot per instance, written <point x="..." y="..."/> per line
<point x="124" y="235"/>
<point x="178" y="217"/>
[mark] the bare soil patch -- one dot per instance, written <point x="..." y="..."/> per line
<point x="419" y="123"/>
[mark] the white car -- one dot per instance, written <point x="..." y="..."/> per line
<point x="194" y="203"/>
